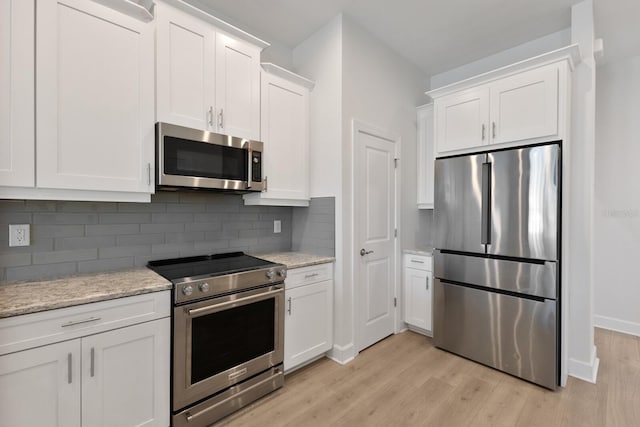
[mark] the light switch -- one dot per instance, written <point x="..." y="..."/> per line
<point x="277" y="226"/>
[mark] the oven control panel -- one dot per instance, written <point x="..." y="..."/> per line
<point x="192" y="290"/>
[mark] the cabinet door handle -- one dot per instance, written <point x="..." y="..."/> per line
<point x="493" y="129"/>
<point x="79" y="322"/>
<point x="69" y="374"/>
<point x="93" y="358"/>
<point x="484" y="129"/>
<point x="427" y="282"/>
<point x="148" y="173"/>
<point x="221" y="118"/>
<point x="289" y="309"/>
<point x="210" y="116"/>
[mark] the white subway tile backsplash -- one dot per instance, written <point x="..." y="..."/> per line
<point x="87" y="237"/>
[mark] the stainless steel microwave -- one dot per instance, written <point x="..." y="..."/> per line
<point x="196" y="159"/>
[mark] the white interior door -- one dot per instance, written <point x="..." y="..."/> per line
<point x="375" y="241"/>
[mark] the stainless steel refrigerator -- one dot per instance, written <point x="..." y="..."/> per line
<point x="497" y="259"/>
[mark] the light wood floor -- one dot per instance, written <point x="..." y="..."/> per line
<point x="405" y="381"/>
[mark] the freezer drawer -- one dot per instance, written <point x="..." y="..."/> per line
<point x="514" y="335"/>
<point x="536" y="279"/>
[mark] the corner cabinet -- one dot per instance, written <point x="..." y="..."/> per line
<point x="94" y="102"/>
<point x="285" y="133"/>
<point x="426" y="156"/>
<point x="523" y="103"/>
<point x="206" y="79"/>
<point x="418" y="292"/>
<point x="100" y="364"/>
<point x="308" y="324"/>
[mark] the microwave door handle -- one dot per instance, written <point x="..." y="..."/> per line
<point x="249" y="165"/>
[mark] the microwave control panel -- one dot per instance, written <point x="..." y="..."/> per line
<point x="256" y="166"/>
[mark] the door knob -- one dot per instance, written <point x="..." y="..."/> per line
<point x="363" y="252"/>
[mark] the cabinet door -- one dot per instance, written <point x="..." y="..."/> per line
<point x="285" y="132"/>
<point x="461" y="120"/>
<point x="95" y="98"/>
<point x="308" y="326"/>
<point x="525" y="106"/>
<point x="41" y="387"/>
<point x="17" y="133"/>
<point x="417" y="301"/>
<point x="237" y="87"/>
<point x="425" y="157"/>
<point x="125" y="376"/>
<point x="185" y="69"/>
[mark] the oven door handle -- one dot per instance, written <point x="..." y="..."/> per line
<point x="217" y="307"/>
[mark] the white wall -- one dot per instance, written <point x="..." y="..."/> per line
<point x="617" y="196"/>
<point x="518" y="53"/>
<point x="357" y="77"/>
<point x="382" y="90"/>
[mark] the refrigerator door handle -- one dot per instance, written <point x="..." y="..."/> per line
<point x="486" y="204"/>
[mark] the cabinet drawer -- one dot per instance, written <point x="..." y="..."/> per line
<point x="32" y="330"/>
<point x="306" y="275"/>
<point x="419" y="262"/>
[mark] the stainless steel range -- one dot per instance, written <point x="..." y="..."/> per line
<point x="228" y="333"/>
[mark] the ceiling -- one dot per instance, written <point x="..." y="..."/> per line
<point x="435" y="35"/>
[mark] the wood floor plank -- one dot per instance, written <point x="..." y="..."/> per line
<point x="405" y="381"/>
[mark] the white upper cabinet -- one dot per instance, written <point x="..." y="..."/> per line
<point x="426" y="156"/>
<point x="186" y="74"/>
<point x="237" y="87"/>
<point x="206" y="78"/>
<point x="461" y="120"/>
<point x="17" y="132"/>
<point x="523" y="103"/>
<point x="94" y="98"/>
<point x="285" y="133"/>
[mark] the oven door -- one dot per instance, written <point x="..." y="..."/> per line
<point x="223" y="341"/>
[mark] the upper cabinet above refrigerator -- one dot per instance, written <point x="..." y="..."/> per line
<point x="524" y="103"/>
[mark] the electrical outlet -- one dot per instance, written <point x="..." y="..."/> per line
<point x="277" y="226"/>
<point x="19" y="234"/>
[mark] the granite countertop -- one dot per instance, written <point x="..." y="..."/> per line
<point x="31" y="297"/>
<point x="418" y="252"/>
<point x="296" y="259"/>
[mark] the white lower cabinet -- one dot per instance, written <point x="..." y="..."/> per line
<point x="41" y="387"/>
<point x="285" y="132"/>
<point x="118" y="377"/>
<point x="418" y="291"/>
<point x="308" y="325"/>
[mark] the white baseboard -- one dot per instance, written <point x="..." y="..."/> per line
<point x="342" y="354"/>
<point x="617" y="325"/>
<point x="586" y="371"/>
